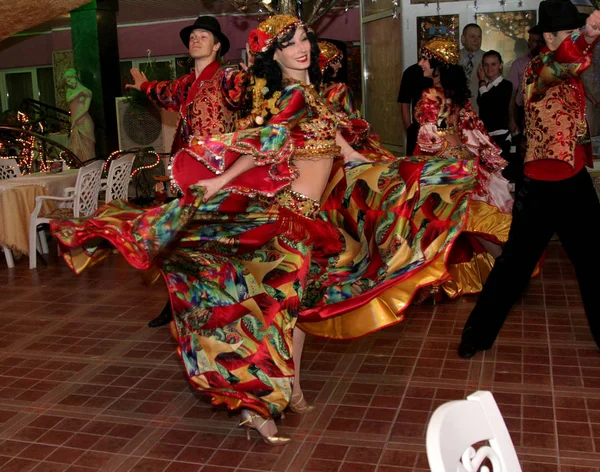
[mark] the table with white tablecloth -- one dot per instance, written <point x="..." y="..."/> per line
<point x="17" y="201"/>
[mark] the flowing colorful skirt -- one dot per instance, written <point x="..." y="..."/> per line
<point x="406" y="225"/>
<point x="235" y="268"/>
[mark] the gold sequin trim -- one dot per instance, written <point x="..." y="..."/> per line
<point x="446" y="131"/>
<point x="298" y="203"/>
<point x="316" y="152"/>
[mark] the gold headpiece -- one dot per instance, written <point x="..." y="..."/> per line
<point x="442" y="48"/>
<point x="330" y="54"/>
<point x="268" y="31"/>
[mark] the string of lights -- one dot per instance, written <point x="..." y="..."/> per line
<point x="116" y="154"/>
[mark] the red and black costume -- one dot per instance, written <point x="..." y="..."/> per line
<point x="557" y="194"/>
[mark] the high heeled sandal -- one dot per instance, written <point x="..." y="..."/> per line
<point x="247" y="422"/>
<point x="301" y="410"/>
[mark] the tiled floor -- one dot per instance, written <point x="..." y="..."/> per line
<point x="85" y="385"/>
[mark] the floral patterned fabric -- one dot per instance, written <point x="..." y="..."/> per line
<point x="439" y="117"/>
<point x="489" y="218"/>
<point x="399" y="220"/>
<point x="234" y="279"/>
<point x="235" y="266"/>
<point x="555" y="103"/>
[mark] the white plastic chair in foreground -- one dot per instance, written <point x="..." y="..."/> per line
<point x="83" y="197"/>
<point x="457" y="425"/>
<point x="119" y="175"/>
<point x="9" y="169"/>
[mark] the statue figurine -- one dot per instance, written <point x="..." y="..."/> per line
<point x="79" y="98"/>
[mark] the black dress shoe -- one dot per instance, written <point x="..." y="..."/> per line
<point x="164" y="318"/>
<point x="466" y="350"/>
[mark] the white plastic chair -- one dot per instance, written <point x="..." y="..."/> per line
<point x="84" y="200"/>
<point x="117" y="182"/>
<point x="457" y="425"/>
<point x="10" y="262"/>
<point x="9" y="169"/>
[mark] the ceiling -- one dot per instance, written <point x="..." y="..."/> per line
<point x="19" y="15"/>
<point x="142" y="11"/>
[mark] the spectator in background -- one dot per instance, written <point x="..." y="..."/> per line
<point x="493" y="100"/>
<point x="520" y="48"/>
<point x="535" y="42"/>
<point x="411" y="87"/>
<point x="470" y="58"/>
<point x="516" y="110"/>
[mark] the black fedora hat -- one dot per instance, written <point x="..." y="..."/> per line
<point x="208" y="23"/>
<point x="558" y="15"/>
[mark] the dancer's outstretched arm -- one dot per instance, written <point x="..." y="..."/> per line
<point x="241" y="165"/>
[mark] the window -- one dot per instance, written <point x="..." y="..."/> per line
<point x="19" y="84"/>
<point x="163" y="68"/>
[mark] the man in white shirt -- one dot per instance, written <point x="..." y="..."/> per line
<point x="470" y="58"/>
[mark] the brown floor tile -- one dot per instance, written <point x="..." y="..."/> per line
<point x="95" y="389"/>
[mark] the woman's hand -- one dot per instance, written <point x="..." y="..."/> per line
<point x="212" y="186"/>
<point x="513" y="127"/>
<point x="138" y="79"/>
<point x="355" y="157"/>
<point x="480" y="73"/>
<point x="249" y="59"/>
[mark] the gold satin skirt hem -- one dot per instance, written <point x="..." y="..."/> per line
<point x="382" y="311"/>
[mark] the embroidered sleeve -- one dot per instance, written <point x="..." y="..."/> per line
<point x="572" y="57"/>
<point x="167" y="94"/>
<point x="474" y="135"/>
<point x="339" y="100"/>
<point x="426" y="114"/>
<point x="233" y="86"/>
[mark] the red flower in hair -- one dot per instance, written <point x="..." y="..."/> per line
<point x="258" y="40"/>
<point x="322" y="61"/>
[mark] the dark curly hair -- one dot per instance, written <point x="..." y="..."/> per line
<point x="453" y="80"/>
<point x="266" y="67"/>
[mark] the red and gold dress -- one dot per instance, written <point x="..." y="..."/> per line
<point x="236" y="266"/>
<point x="490" y="205"/>
<point x="409" y="223"/>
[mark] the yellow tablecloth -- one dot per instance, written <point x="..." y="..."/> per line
<point x="16" y="205"/>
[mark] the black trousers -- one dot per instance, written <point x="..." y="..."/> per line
<point x="569" y="208"/>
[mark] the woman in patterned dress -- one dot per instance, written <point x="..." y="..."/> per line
<point x="235" y="250"/>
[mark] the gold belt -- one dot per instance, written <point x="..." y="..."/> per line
<point x="298" y="203"/>
<point x="446" y="131"/>
<point x="316" y="152"/>
<point x="458" y="152"/>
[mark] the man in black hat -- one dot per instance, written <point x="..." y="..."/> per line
<point x="556" y="194"/>
<point x="207" y="99"/>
